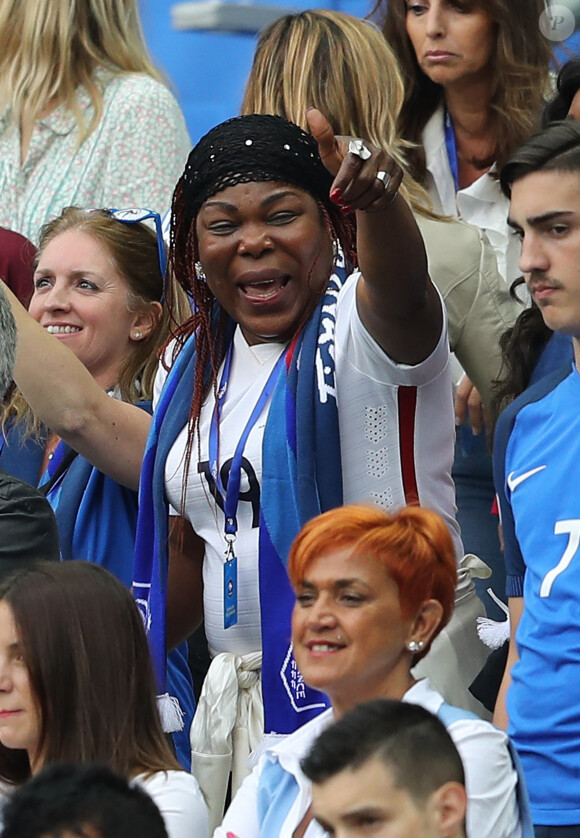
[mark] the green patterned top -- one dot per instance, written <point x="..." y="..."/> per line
<point x="134" y="157"/>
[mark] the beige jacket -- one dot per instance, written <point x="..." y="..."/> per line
<point x="463" y="266"/>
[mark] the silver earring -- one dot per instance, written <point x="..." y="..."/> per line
<point x="415" y="645"/>
<point x="138" y="335"/>
<point x="335" y="249"/>
<point x="199" y="271"/>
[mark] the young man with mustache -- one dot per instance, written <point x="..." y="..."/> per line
<point x="536" y="463"/>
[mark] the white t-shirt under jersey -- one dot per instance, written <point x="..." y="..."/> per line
<point x="382" y="407"/>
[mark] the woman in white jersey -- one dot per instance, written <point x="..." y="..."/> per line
<point x="298" y="384"/>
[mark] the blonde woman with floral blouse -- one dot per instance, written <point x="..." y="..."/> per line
<point x="85" y="118"/>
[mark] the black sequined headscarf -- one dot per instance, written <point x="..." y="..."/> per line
<point x="255" y="147"/>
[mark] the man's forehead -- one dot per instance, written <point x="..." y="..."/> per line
<point x="541" y="195"/>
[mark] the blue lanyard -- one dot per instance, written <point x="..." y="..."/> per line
<point x="451" y="147"/>
<point x="53" y="464"/>
<point x="51" y="471"/>
<point x="232" y="494"/>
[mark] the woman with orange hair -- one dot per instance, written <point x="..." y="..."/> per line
<point x="372" y="592"/>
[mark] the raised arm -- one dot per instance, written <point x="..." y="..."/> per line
<point x="397" y="302"/>
<point x="63" y="394"/>
<point x="500" y="714"/>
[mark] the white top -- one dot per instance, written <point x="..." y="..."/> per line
<point x="482" y="203"/>
<point x="382" y="408"/>
<point x="180" y="801"/>
<point x="492" y="810"/>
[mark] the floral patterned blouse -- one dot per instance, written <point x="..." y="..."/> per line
<point x="134" y="156"/>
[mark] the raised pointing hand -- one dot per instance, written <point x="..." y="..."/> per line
<point x="369" y="185"/>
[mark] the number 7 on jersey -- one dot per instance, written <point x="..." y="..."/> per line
<point x="572" y="529"/>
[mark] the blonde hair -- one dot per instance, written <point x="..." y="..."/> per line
<point x="341" y="65"/>
<point x="48" y="48"/>
<point x="133" y="251"/>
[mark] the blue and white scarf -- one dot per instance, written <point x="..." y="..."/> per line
<point x="301" y="477"/>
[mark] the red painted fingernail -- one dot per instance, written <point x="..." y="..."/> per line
<point x="336" y="196"/>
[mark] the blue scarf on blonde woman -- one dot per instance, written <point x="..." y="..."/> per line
<point x="301" y="477"/>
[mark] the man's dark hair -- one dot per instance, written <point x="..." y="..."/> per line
<point x="411" y="741"/>
<point x="555" y="149"/>
<point x="70" y="799"/>
<point x="567" y="85"/>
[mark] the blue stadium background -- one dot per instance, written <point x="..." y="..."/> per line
<point x="209" y="69"/>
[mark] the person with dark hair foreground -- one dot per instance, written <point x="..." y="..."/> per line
<point x="372" y="592"/>
<point x="76" y="685"/>
<point x="391" y="766"/>
<point x="536" y="456"/>
<point x="81" y="801"/>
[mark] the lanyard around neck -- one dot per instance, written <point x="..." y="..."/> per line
<point x="231" y="495"/>
<point x="451" y="146"/>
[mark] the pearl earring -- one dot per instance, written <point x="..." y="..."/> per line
<point x="415" y="646"/>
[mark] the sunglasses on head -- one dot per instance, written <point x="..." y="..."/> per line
<point x="135" y="216"/>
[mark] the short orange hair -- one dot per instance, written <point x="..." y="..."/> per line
<point x="413" y="545"/>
